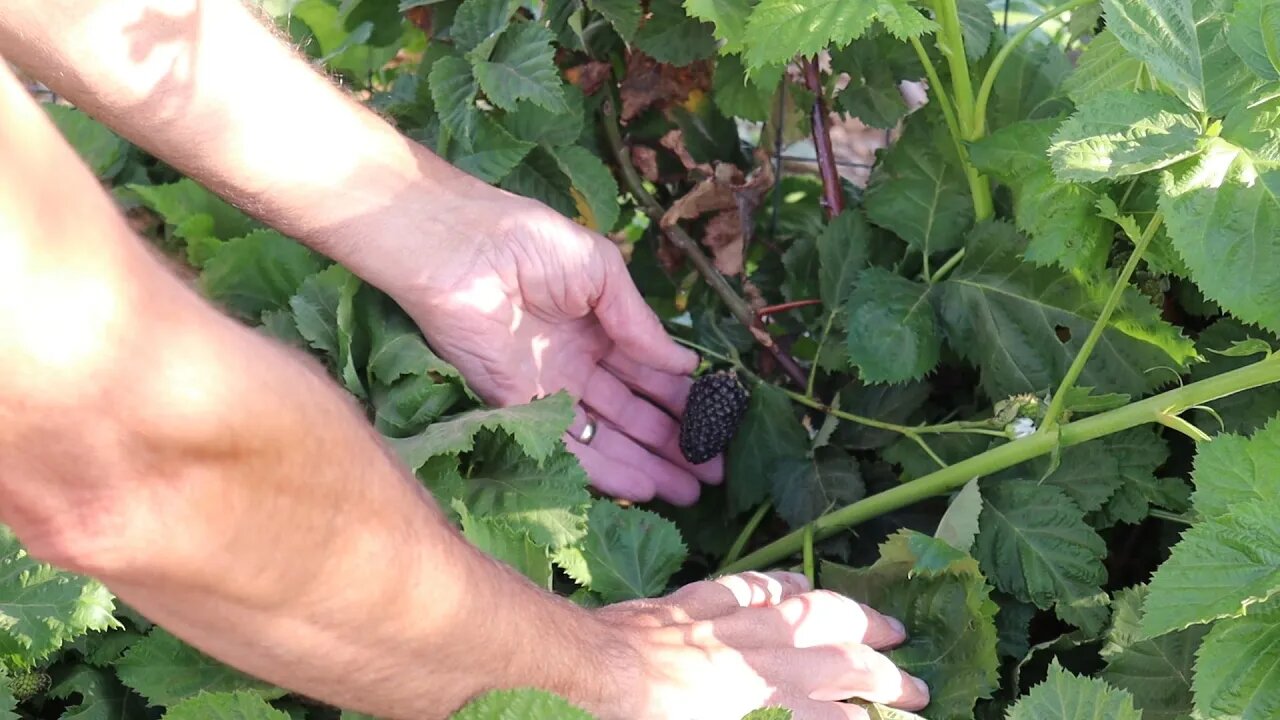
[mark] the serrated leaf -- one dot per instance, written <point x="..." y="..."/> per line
<point x="739" y="96"/>
<point x="7" y="702"/>
<point x="1219" y="211"/>
<point x="224" y="706"/>
<point x="670" y="36"/>
<point x="397" y="349"/>
<point x="1255" y="129"/>
<point x="507" y="545"/>
<point x="1219" y="568"/>
<point x="536" y="427"/>
<point x="768" y="714"/>
<point x="1035" y="545"/>
<point x="959" y="524"/>
<point x="593" y="180"/>
<point x="95" y="694"/>
<point x="1029" y="86"/>
<point x="315" y="309"/>
<point x="493" y="155"/>
<point x="804" y="489"/>
<point x="165" y="671"/>
<point x="768" y="434"/>
<point x="522" y="67"/>
<point x="184" y="201"/>
<point x="977" y="26"/>
<point x="453" y="90"/>
<point x="728" y="17"/>
<point x="524" y="704"/>
<point x="1091" y="473"/>
<point x="1120" y="133"/>
<point x="536" y="124"/>
<point x="843" y="250"/>
<point x="626" y="554"/>
<point x="624" y="15"/>
<point x="1015" y="151"/>
<point x="1065" y="696"/>
<point x="1234" y="469"/>
<point x="548" y="502"/>
<point x="478" y="23"/>
<point x="919" y="192"/>
<point x="1238" y="667"/>
<point x="1156" y="672"/>
<point x="539" y="177"/>
<point x="948" y="613"/>
<point x="1104" y="66"/>
<point x="779" y="30"/>
<point x="258" y="272"/>
<point x="872" y="94"/>
<point x="892" y="334"/>
<point x="1242" y="412"/>
<point x="903" y="20"/>
<point x="43" y="608"/>
<point x="102" y="150"/>
<point x="1252" y="31"/>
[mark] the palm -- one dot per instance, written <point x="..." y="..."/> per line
<point x="544" y="306"/>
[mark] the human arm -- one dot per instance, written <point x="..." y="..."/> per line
<point x="521" y="300"/>
<point x="223" y="486"/>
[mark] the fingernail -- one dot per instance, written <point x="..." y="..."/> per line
<point x="897" y="626"/>
<point x="920" y="685"/>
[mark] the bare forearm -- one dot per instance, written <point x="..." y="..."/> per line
<point x="205" y="86"/>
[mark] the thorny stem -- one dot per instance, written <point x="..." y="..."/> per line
<point x="740" y="544"/>
<point x="736" y="305"/>
<point x="949" y="478"/>
<point x="832" y="192"/>
<point x="965" y="427"/>
<point x="1095" y="333"/>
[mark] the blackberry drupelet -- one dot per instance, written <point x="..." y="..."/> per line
<point x="716" y="405"/>
<point x="28" y="685"/>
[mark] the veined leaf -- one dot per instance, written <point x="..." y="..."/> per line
<point x="102" y="150"/>
<point x="315" y="309"/>
<point x="738" y="95"/>
<point x="165" y="671"/>
<point x="594" y="181"/>
<point x="1242" y="412"/>
<point x="1157" y="672"/>
<point x="525" y="704"/>
<point x="843" y="250"/>
<point x="1238" y="667"/>
<point x="769" y="714"/>
<point x="493" y="154"/>
<point x="892" y="334"/>
<point x="804" y="489"/>
<point x="185" y="201"/>
<point x="536" y="426"/>
<point x="977" y="26"/>
<point x="453" y="90"/>
<point x="1219" y="212"/>
<point x="1253" y="31"/>
<point x="1063" y="222"/>
<point x="1255" y="129"/>
<point x="1015" y="151"/>
<point x="944" y="602"/>
<point x="522" y="67"/>
<point x="507" y="545"/>
<point x="1221" y="567"/>
<point x="769" y="433"/>
<point x="1035" y="545"/>
<point x="1103" y="67"/>
<point x="779" y="30"/>
<point x="224" y="706"/>
<point x="624" y="15"/>
<point x="1029" y="86"/>
<point x="1064" y="696"/>
<point x="627" y="553"/>
<point x="1234" y="469"/>
<point x="1006" y="316"/>
<point x="919" y="192"/>
<point x="478" y="23"/>
<point x="43" y="608"/>
<point x="669" y="35"/>
<point x="959" y="524"/>
<point x="902" y="19"/>
<point x="872" y="95"/>
<point x="7" y="701"/>
<point x="546" y="502"/>
<point x="536" y="124"/>
<point x="729" y="17"/>
<point x="1121" y="133"/>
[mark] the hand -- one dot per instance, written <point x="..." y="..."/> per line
<point x="525" y="303"/>
<point x="716" y="650"/>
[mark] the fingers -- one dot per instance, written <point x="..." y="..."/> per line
<point x="809" y="620"/>
<point x="669" y="391"/>
<point x="632" y="324"/>
<point x="842" y="672"/>
<point x="618" y="463"/>
<point x="715" y="598"/>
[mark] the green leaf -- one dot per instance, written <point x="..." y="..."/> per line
<point x="947" y="610"/>
<point x="7" y="702"/>
<point x="1015" y="151"/>
<point x="96" y="694"/>
<point x="892" y="334"/>
<point x="1252" y="31"/>
<point x="224" y="706"/>
<point x="493" y="154"/>
<point x="627" y="553"/>
<point x="1035" y="545"/>
<point x="959" y="524"/>
<point x="1242" y="412"/>
<point x="538" y="176"/>
<point x="1120" y="133"/>
<point x="536" y="124"/>
<point x="478" y="23"/>
<point x="1064" y="696"/>
<point x="315" y="309"/>
<point x="102" y="150"/>
<point x="525" y="704"/>
<point x="536" y="426"/>
<point x="919" y="192"/>
<point x="843" y="252"/>
<point x="769" y="714"/>
<point x="903" y="20"/>
<point x="507" y="546"/>
<point x="594" y="182"/>
<point x="624" y="15"/>
<point x="165" y="670"/>
<point x="1156" y="672"/>
<point x="739" y="96"/>
<point x="804" y="489"/>
<point x="670" y="36"/>
<point x="181" y="202"/>
<point x="872" y="95"/>
<point x="1219" y="211"/>
<point x="453" y="90"/>
<point x="397" y="349"/>
<point x="1234" y="469"/>
<point x="1103" y="67"/>
<point x="1004" y="315"/>
<point x="1092" y="473"/>
<point x="1219" y="568"/>
<point x="977" y="26"/>
<point x="728" y="17"/>
<point x="547" y="502"/>
<point x="778" y="30"/>
<point x="769" y="433"/>
<point x="43" y="608"/>
<point x="1238" y="667"/>
<point x="522" y="68"/>
<point x="1255" y="129"/>
<point x="258" y="272"/>
<point x="1029" y="86"/>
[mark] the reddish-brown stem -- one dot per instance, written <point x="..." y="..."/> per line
<point x="832" y="193"/>
<point x="783" y="307"/>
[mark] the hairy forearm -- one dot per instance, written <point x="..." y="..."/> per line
<point x="206" y="86"/>
<point x="222" y="485"/>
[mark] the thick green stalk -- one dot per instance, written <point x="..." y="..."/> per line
<point x="740" y="544"/>
<point x="1051" y="416"/>
<point x="992" y="461"/>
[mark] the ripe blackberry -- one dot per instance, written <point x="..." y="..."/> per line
<point x="28" y="685"/>
<point x="716" y="405"/>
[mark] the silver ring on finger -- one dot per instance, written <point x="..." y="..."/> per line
<point x="588" y="432"/>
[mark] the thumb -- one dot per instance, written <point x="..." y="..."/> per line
<point x="632" y="325"/>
